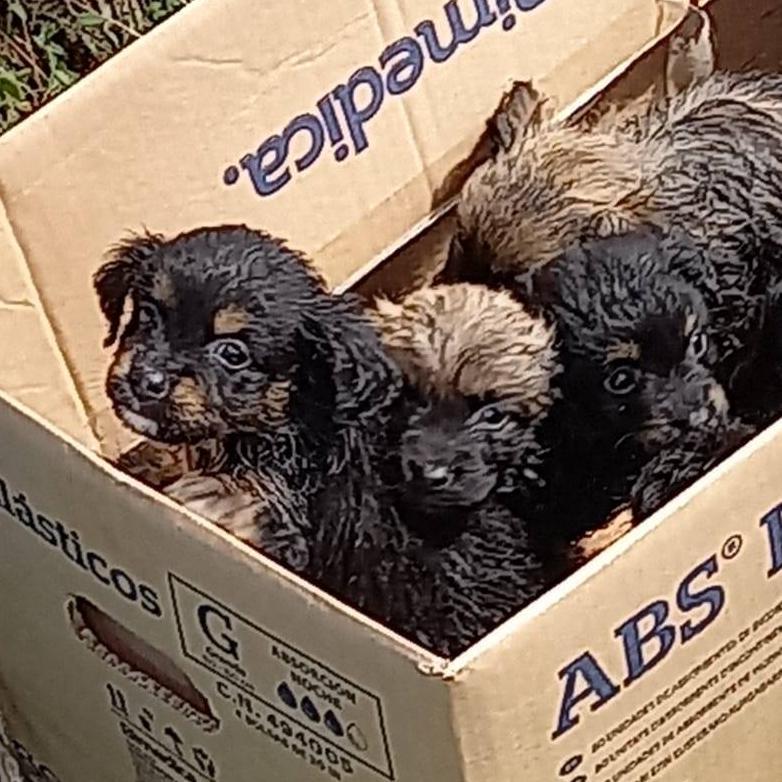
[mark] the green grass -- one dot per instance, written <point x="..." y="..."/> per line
<point x="48" y="45"/>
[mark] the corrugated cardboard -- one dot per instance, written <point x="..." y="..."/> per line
<point x="152" y="138"/>
<point x="139" y="643"/>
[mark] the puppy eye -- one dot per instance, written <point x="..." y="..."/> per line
<point x="492" y="416"/>
<point x="148" y="314"/>
<point x="622" y="381"/>
<point x="699" y="343"/>
<point x="232" y="354"/>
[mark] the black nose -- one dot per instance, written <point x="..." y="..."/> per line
<point x="153" y="384"/>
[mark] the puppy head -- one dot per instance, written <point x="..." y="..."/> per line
<point x="482" y="369"/>
<point x="639" y="362"/>
<point x="213" y="339"/>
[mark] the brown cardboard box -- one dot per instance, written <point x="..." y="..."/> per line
<point x="138" y="642"/>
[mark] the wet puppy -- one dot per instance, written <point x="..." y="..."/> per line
<point x="226" y="334"/>
<point x="640" y="384"/>
<point x="482" y="373"/>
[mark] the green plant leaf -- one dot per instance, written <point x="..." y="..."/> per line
<point x="91" y="20"/>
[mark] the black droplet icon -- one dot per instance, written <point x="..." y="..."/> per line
<point x="570" y="765"/>
<point x="308" y="707"/>
<point x="333" y="724"/>
<point x="231" y="175"/>
<point x="286" y="696"/>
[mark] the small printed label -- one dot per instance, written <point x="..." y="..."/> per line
<point x="285" y="694"/>
<point x="159" y="752"/>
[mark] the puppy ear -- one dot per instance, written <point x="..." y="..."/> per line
<point x="519" y="109"/>
<point x="114" y="281"/>
<point x="690" y="57"/>
<point x="314" y="398"/>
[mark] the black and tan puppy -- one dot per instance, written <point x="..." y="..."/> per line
<point x="484" y="374"/>
<point x="643" y="402"/>
<point x="231" y="336"/>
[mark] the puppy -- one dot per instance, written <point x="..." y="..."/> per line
<point x="640" y="372"/>
<point x="480" y="373"/>
<point x="706" y="162"/>
<point x="231" y="336"/>
<point x="483" y="375"/>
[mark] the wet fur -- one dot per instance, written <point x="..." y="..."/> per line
<point x="305" y="413"/>
<point x="474" y="562"/>
<point x="482" y="372"/>
<point x="625" y="308"/>
<point x="296" y="474"/>
<point x="706" y="161"/>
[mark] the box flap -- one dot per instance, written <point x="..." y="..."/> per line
<point x="328" y="124"/>
<point x="131" y="593"/>
<point x="32" y="366"/>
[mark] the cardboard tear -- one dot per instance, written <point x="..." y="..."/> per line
<point x="139" y="662"/>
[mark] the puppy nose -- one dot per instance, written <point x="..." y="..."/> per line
<point x="154" y="384"/>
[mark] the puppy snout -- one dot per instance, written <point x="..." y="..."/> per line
<point x="153" y="384"/>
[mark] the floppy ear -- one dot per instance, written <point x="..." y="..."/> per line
<point x="519" y="109"/>
<point x="314" y="397"/>
<point x="690" y="58"/>
<point x="115" y="280"/>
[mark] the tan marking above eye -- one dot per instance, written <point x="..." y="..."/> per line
<point x="230" y="320"/>
<point x="622" y="351"/>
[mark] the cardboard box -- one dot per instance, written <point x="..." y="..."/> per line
<point x="140" y="643"/>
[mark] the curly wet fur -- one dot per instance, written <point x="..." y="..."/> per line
<point x="707" y="162"/>
<point x="307" y="402"/>
<point x="675" y="468"/>
<point x="558" y="183"/>
<point x="640" y="367"/>
<point x="469" y="356"/>
<point x="483" y="371"/>
<point x="294" y="472"/>
<point x="449" y="596"/>
<point x="470" y="340"/>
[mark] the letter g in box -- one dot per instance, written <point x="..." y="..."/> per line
<point x="255" y="667"/>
